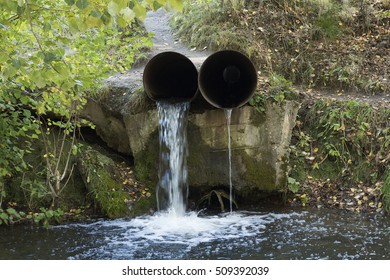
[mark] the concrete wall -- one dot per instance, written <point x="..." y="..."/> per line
<point x="259" y="142"/>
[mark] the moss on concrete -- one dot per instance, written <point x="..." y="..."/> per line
<point x="147" y="161"/>
<point x="98" y="173"/>
<point x="260" y="173"/>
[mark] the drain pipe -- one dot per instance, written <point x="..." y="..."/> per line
<point x="170" y="77"/>
<point x="227" y="79"/>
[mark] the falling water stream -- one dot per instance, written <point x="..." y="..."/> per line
<point x="228" y="114"/>
<point x="172" y="190"/>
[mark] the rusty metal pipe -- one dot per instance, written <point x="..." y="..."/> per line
<point x="227" y="79"/>
<point x="171" y="77"/>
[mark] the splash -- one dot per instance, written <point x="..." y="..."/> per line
<point x="172" y="189"/>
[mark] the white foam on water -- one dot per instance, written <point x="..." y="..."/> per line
<point x="167" y="235"/>
<point x="191" y="229"/>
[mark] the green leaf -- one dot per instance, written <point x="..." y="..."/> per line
<point x="4" y="216"/>
<point x="128" y="15"/>
<point x="16" y="64"/>
<point x="93" y="22"/>
<point x="49" y="214"/>
<point x="82" y="4"/>
<point x="112" y="8"/>
<point x="156" y="5"/>
<point x="12" y="212"/>
<point x="37" y="79"/>
<point x="69" y="2"/>
<point x="9" y="71"/>
<point x="121" y="22"/>
<point x="17" y="94"/>
<point x="25" y="100"/>
<point x="121" y="3"/>
<point x="73" y="24"/>
<point x="106" y="17"/>
<point x="96" y="13"/>
<point x="27" y="113"/>
<point x="47" y="27"/>
<point x="176" y="4"/>
<point x="74" y="150"/>
<point x="49" y="57"/>
<point x="139" y="10"/>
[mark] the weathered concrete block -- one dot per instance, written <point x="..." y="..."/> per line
<point x="109" y="127"/>
<point x="259" y="142"/>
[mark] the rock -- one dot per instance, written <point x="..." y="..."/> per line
<point x="109" y="128"/>
<point x="122" y="95"/>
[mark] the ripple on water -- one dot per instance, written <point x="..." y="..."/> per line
<point x="239" y="235"/>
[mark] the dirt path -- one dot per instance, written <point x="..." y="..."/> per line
<point x="158" y="23"/>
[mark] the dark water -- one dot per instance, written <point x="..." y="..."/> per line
<point x="280" y="234"/>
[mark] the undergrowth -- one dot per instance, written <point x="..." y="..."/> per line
<point x="316" y="43"/>
<point x="343" y="143"/>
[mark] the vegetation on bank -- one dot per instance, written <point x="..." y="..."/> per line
<point x="340" y="148"/>
<point x="53" y="55"/>
<point x="340" y="156"/>
<point x="316" y="43"/>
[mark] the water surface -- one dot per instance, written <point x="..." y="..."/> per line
<point x="276" y="234"/>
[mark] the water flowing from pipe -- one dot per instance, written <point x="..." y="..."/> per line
<point x="228" y="114"/>
<point x="172" y="189"/>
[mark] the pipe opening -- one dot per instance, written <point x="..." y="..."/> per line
<point x="172" y="77"/>
<point x="227" y="79"/>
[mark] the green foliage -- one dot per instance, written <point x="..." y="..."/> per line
<point x="275" y="89"/>
<point x="45" y="217"/>
<point x="385" y="190"/>
<point x="34" y="189"/>
<point x="259" y="101"/>
<point x="342" y="141"/>
<point x="293" y="185"/>
<point x="351" y="131"/>
<point x="327" y="25"/>
<point x="209" y="24"/>
<point x="337" y="44"/>
<point x="52" y="55"/>
<point x="18" y="129"/>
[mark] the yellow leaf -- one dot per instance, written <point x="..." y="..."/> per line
<point x="93" y="21"/>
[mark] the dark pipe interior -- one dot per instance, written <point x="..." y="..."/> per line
<point x="170" y="76"/>
<point x="227" y="79"/>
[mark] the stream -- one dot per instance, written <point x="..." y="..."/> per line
<point x="262" y="234"/>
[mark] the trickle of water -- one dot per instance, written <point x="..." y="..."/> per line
<point x="228" y="114"/>
<point x="172" y="189"/>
